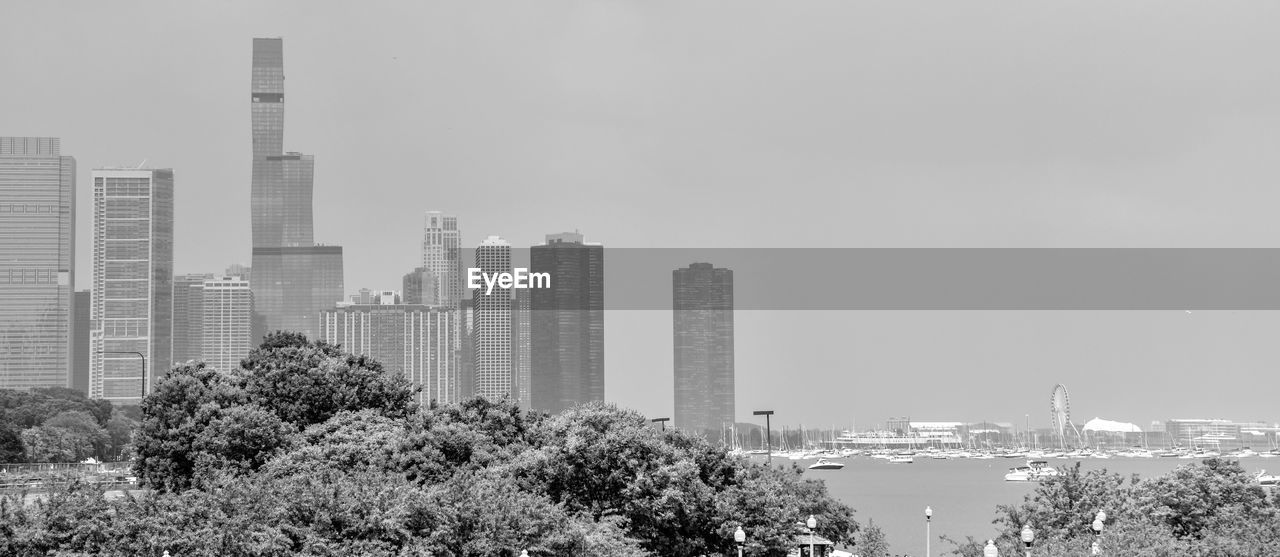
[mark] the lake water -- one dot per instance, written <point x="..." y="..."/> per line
<point x="963" y="493"/>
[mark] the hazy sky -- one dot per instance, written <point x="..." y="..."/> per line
<point x="731" y="124"/>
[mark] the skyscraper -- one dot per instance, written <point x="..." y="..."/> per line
<point x="37" y="259"/>
<point x="293" y="279"/>
<point x="80" y="341"/>
<point x="188" y="316"/>
<point x="411" y="339"/>
<point x="492" y="330"/>
<point x="132" y="281"/>
<point x="419" y="287"/>
<point x="226" y="322"/>
<point x="521" y="347"/>
<point x="441" y="244"/>
<point x="703" y="334"/>
<point x="567" y="346"/>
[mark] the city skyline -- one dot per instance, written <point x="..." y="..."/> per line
<point x="1085" y="136"/>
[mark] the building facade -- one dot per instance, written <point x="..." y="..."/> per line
<point x="226" y="333"/>
<point x="80" y="341"/>
<point x="37" y="262"/>
<point x="413" y="340"/>
<point x="491" y="332"/>
<point x="703" y="347"/>
<point x="441" y="257"/>
<point x="132" y="301"/>
<point x="522" y="348"/>
<point x="294" y="278"/>
<point x="567" y="334"/>
<point x="188" y="316"/>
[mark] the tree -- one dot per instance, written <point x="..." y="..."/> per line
<point x="1188" y="499"/>
<point x="872" y="543"/>
<point x="119" y="434"/>
<point x="11" y="448"/>
<point x="84" y="426"/>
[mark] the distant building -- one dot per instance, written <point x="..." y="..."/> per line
<point x="80" y="342"/>
<point x="132" y="306"/>
<point x="467" y="350"/>
<point x="226" y="322"/>
<point x="441" y="257"/>
<point x="412" y="340"/>
<point x="492" y="328"/>
<point x="419" y="287"/>
<point x="238" y="270"/>
<point x="293" y="278"/>
<point x="521" y="346"/>
<point x="703" y="338"/>
<point x="567" y="335"/>
<point x="37" y="262"/>
<point x="188" y="316"/>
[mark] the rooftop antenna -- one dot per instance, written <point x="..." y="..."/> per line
<point x="141" y="164"/>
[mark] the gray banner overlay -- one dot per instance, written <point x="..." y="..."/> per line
<point x="953" y="279"/>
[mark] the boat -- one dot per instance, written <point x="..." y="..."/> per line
<point x="1034" y="471"/>
<point x="824" y="464"/>
<point x="901" y="459"/>
<point x="1267" y="480"/>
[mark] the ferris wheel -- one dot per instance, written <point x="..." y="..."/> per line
<point x="1060" y="413"/>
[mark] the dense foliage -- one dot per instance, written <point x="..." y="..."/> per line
<point x="1208" y="509"/>
<point x="60" y="425"/>
<point x="310" y="451"/>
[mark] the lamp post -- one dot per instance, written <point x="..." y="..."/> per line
<point x="1098" y="523"/>
<point x="812" y="523"/>
<point x="1028" y="536"/>
<point x="928" y="520"/>
<point x="768" y="435"/>
<point x="144" y="370"/>
<point x="990" y="550"/>
<point x="739" y="537"/>
<point x="663" y="421"/>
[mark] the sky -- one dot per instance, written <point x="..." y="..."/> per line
<point x="730" y="124"/>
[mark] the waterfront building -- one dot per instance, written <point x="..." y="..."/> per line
<point x="294" y="278"/>
<point x="410" y="339"/>
<point x="37" y="262"/>
<point x="188" y="315"/>
<point x="491" y="333"/>
<point x="226" y="322"/>
<point x="567" y="334"/>
<point x="703" y="347"/>
<point x="132" y="303"/>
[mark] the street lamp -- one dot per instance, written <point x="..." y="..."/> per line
<point x="1028" y="536"/>
<point x="768" y="435"/>
<point x="524" y="553"/>
<point x="990" y="550"/>
<point x="144" y="370"/>
<point x="928" y="519"/>
<point x="739" y="537"/>
<point x="663" y="421"/>
<point x="811" y="523"/>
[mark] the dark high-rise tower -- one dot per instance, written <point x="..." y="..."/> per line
<point x="703" y="334"/>
<point x="294" y="279"/>
<point x="567" y="331"/>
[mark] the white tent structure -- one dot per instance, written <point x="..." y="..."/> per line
<point x="1108" y="426"/>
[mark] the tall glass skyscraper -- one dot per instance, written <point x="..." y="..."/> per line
<point x="37" y="258"/>
<point x="491" y="335"/>
<point x="132" y="300"/>
<point x="293" y="279"/>
<point x="567" y="333"/>
<point x="703" y="334"/>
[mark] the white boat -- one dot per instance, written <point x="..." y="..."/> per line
<point x="1267" y="480"/>
<point x="901" y="459"/>
<point x="1034" y="471"/>
<point x="824" y="464"/>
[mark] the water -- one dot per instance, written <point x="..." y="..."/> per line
<point x="963" y="493"/>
